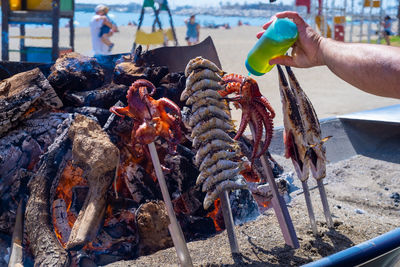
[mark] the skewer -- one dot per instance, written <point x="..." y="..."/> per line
<point x="309" y="207"/>
<point x="228" y="220"/>
<point x="325" y="204"/>
<point x="16" y="257"/>
<point x="278" y="203"/>
<point x="174" y="228"/>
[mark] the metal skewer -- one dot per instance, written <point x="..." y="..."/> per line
<point x="174" y="228"/>
<point x="325" y="204"/>
<point x="309" y="207"/>
<point x="228" y="220"/>
<point x="16" y="257"/>
<point x="278" y="203"/>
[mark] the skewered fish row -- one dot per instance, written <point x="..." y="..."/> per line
<point x="303" y="141"/>
<point x="210" y="121"/>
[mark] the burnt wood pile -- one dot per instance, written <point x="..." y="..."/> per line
<point x="89" y="197"/>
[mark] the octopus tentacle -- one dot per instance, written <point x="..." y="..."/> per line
<point x="268" y="125"/>
<point x="264" y="101"/>
<point x="243" y="123"/>
<point x="256" y="119"/>
<point x="165" y="102"/>
<point x="233" y="78"/>
<point x="144" y="83"/>
<point x="231" y="87"/>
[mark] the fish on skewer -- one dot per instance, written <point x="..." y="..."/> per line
<point x="296" y="145"/>
<point x="316" y="152"/>
<point x="210" y="123"/>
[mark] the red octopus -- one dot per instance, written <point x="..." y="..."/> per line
<point x="149" y="115"/>
<point x="256" y="109"/>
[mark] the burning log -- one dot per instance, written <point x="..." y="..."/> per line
<point x="99" y="158"/>
<point x="152" y="221"/>
<point x="43" y="242"/>
<point x="129" y="72"/>
<point x="21" y="95"/>
<point x="75" y="72"/>
<point x="60" y="220"/>
<point x="20" y="150"/>
<point x="99" y="114"/>
<point x="103" y="97"/>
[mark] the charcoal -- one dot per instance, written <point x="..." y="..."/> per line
<point x="127" y="72"/>
<point x="22" y="95"/>
<point x="104" y="97"/>
<point x="75" y="72"/>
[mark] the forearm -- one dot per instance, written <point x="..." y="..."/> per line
<point x="372" y="68"/>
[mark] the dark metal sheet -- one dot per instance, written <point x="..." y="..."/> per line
<point x="177" y="57"/>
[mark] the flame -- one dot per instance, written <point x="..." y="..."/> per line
<point x="29" y="112"/>
<point x="249" y="174"/>
<point x="213" y="214"/>
<point x="266" y="204"/>
<point x="71" y="177"/>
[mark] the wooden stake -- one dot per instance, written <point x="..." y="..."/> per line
<point x="278" y="203"/>
<point x="228" y="219"/>
<point x="174" y="228"/>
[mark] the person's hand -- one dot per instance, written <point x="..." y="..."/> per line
<point x="306" y="51"/>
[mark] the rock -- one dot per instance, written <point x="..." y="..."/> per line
<point x="395" y="196"/>
<point x="359" y="211"/>
<point x="152" y="221"/>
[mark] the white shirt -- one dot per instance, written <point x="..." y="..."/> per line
<point x="99" y="48"/>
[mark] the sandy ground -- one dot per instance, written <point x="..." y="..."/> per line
<point x="330" y="95"/>
<point x="358" y="190"/>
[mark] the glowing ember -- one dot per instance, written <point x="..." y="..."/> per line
<point x="213" y="215"/>
<point x="71" y="177"/>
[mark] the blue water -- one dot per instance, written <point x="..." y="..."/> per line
<point x="82" y="19"/>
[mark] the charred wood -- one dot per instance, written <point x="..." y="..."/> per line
<point x="20" y="152"/>
<point x="128" y="72"/>
<point x="22" y="95"/>
<point x="104" y="97"/>
<point x="60" y="220"/>
<point x="43" y="242"/>
<point x="99" y="159"/>
<point x="101" y="115"/>
<point x="75" y="72"/>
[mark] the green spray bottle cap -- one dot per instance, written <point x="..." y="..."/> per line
<point x="275" y="41"/>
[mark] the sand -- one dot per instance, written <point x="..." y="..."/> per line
<point x="330" y="95"/>
<point x="358" y="191"/>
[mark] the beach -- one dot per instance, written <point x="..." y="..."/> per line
<point x="330" y="95"/>
<point x="359" y="189"/>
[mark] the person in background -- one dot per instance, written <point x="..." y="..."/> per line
<point x="372" y="68"/>
<point x="387" y="29"/>
<point x="97" y="21"/>
<point x="106" y="32"/>
<point x="193" y="30"/>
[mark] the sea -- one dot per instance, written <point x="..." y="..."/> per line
<point x="82" y="19"/>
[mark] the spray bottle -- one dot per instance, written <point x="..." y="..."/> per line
<point x="275" y="41"/>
